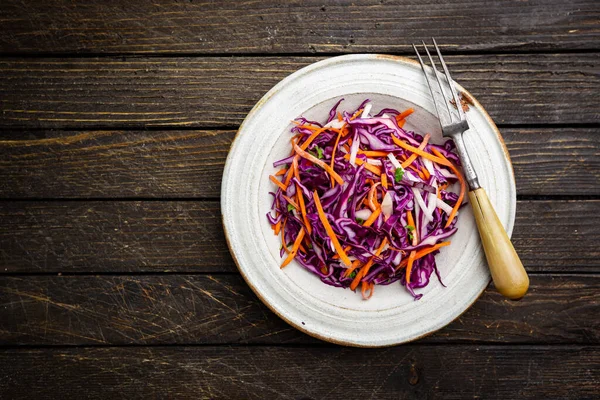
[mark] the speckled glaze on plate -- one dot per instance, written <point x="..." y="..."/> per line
<point x="339" y="315"/>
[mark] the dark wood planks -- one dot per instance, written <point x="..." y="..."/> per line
<point x="102" y="236"/>
<point x="189" y="164"/>
<point x="406" y="372"/>
<point x="193" y="309"/>
<point x="219" y="91"/>
<point x="298" y="26"/>
<point x="186" y="236"/>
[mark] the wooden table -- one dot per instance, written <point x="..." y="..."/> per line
<point x="116" y="121"/>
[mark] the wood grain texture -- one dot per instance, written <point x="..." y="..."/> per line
<point x="220" y="91"/>
<point x="193" y="309"/>
<point x="405" y="372"/>
<point x="112" y="236"/>
<point x="298" y="26"/>
<point x="176" y="236"/>
<point x="189" y="164"/>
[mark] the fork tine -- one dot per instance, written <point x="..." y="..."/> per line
<point x="427" y="79"/>
<point x="439" y="81"/>
<point x="450" y="82"/>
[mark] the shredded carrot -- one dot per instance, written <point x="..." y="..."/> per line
<point x="283" y="244"/>
<point x="370" y="287"/>
<point x="372" y="218"/>
<point x="463" y="186"/>
<point x="372" y="197"/>
<point x="339" y="116"/>
<point x="426" y="172"/>
<point x="292" y="202"/>
<point x="295" y="247"/>
<point x="277" y="227"/>
<point x="301" y="247"/>
<point x="278" y="183"/>
<point x="281" y="172"/>
<point x="372" y="153"/>
<point x="290" y="172"/>
<point x="320" y="163"/>
<point x="423" y="253"/>
<point x="355" y="264"/>
<point x="404" y="114"/>
<point x="356" y="114"/>
<point x="418" y="171"/>
<point x="413" y="156"/>
<point x="384" y="181"/>
<point x="401" y="123"/>
<point x="410" y="221"/>
<point x="420" y="152"/>
<point x="410" y="263"/>
<point x="312" y="137"/>
<point x="370" y="167"/>
<point x="346" y="250"/>
<point x="295" y="168"/>
<point x="337" y="141"/>
<point x="365" y="269"/>
<point x="329" y="230"/>
<point x="302" y="205"/>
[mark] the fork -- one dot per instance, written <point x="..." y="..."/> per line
<point x="506" y="268"/>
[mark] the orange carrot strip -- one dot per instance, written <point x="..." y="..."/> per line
<point x="291" y="172"/>
<point x="320" y="163"/>
<point x="463" y="186"/>
<point x="283" y="244"/>
<point x="292" y="202"/>
<point x="281" y="172"/>
<point x="418" y="171"/>
<point x="426" y="172"/>
<point x="371" y="153"/>
<point x="302" y="205"/>
<point x="401" y="123"/>
<point x="423" y="253"/>
<point x="312" y="137"/>
<point x="384" y="181"/>
<point x="410" y="263"/>
<point x="276" y="181"/>
<point x="330" y="232"/>
<point x="410" y="221"/>
<point x="346" y="249"/>
<point x="356" y="114"/>
<point x="370" y="167"/>
<point x="355" y="264"/>
<point x="373" y="217"/>
<point x="295" y="247"/>
<point x="365" y="269"/>
<point x="404" y="114"/>
<point x="339" y="116"/>
<point x="277" y="227"/>
<point x="420" y="152"/>
<point x="337" y="141"/>
<point x="413" y="157"/>
<point x="367" y="287"/>
<point x="372" y="197"/>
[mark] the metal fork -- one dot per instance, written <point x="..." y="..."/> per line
<point x="508" y="273"/>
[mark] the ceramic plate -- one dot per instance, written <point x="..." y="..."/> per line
<point x="340" y="315"/>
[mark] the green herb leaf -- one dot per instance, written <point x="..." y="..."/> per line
<point x="319" y="152"/>
<point x="410" y="227"/>
<point x="360" y="220"/>
<point x="399" y="174"/>
<point x="291" y="207"/>
<point x="410" y="235"/>
<point x="312" y="153"/>
<point x="352" y="274"/>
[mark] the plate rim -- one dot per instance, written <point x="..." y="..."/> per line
<point x="271" y="92"/>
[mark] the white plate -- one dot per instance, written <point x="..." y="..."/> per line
<point x="339" y="315"/>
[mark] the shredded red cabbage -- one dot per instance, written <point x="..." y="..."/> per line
<point x="368" y="218"/>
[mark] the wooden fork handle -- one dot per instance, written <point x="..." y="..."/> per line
<point x="508" y="273"/>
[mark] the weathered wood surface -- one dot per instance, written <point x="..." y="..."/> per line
<point x="197" y="309"/>
<point x="219" y="91"/>
<point x="186" y="236"/>
<point x="297" y="26"/>
<point x="189" y="164"/>
<point x="406" y="372"/>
